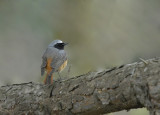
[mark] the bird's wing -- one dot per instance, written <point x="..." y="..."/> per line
<point x="58" y="60"/>
<point x="44" y="62"/>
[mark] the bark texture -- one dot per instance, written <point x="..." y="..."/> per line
<point x="126" y="87"/>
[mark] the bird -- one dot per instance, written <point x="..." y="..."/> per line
<point x="54" y="60"/>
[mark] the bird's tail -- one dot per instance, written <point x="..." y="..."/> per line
<point x="48" y="79"/>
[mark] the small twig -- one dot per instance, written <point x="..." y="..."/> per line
<point x="144" y="61"/>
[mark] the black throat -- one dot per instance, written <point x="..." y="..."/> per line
<point x="59" y="46"/>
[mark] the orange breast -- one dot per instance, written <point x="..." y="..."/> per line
<point x="62" y="66"/>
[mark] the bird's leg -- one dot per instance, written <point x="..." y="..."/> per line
<point x="69" y="70"/>
<point x="59" y="76"/>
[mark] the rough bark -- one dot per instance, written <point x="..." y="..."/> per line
<point x="126" y="87"/>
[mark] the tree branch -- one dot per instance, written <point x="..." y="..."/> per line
<point x="126" y="87"/>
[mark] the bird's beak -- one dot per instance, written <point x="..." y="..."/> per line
<point x="65" y="44"/>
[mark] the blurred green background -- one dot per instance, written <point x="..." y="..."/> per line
<point x="100" y="33"/>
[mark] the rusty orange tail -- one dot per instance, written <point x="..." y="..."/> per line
<point x="48" y="79"/>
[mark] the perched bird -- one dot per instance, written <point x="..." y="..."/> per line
<point x="54" y="59"/>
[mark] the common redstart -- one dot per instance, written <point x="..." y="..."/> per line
<point x="54" y="59"/>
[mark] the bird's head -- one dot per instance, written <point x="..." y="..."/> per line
<point x="57" y="44"/>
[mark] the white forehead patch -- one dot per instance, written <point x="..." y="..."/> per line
<point x="59" y="41"/>
<point x="54" y="42"/>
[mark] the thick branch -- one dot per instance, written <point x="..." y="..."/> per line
<point x="121" y="88"/>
